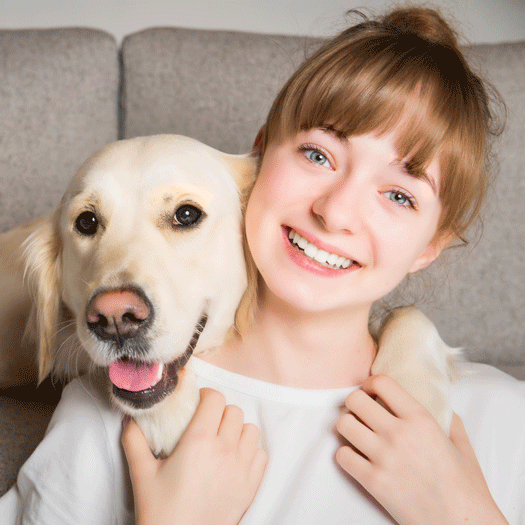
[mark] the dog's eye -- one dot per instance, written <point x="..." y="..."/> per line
<point x="187" y="215"/>
<point x="87" y="223"/>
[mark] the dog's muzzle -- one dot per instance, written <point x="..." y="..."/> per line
<point x="142" y="384"/>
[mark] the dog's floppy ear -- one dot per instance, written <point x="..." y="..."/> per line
<point x="244" y="169"/>
<point x="42" y="259"/>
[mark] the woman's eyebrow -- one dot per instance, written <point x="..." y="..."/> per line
<point x="417" y="174"/>
<point x="339" y="135"/>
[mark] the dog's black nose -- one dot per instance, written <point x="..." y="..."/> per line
<point x="118" y="314"/>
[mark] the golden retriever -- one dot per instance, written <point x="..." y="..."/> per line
<point x="140" y="266"/>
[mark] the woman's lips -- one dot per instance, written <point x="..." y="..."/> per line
<point x="314" y="258"/>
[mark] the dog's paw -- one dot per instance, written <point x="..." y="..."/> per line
<point x="412" y="353"/>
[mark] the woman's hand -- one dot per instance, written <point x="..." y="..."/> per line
<point x="408" y="463"/>
<point x="210" y="478"/>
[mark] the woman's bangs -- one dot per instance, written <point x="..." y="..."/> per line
<point x="380" y="98"/>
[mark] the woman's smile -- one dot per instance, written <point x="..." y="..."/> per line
<point x="310" y="255"/>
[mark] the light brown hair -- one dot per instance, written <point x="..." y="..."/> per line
<point x="401" y="71"/>
<point x="405" y="72"/>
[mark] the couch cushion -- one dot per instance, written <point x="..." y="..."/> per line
<point x="215" y="86"/>
<point x="58" y="103"/>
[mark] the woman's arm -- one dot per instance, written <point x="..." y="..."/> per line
<point x="408" y="463"/>
<point x="210" y="478"/>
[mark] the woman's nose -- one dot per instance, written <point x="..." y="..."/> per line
<point x="339" y="207"/>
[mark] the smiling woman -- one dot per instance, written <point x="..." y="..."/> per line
<point x="372" y="158"/>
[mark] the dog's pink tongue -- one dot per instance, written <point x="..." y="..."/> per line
<point x="134" y="376"/>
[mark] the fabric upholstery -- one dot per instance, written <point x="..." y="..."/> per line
<point x="58" y="103"/>
<point x="215" y="86"/>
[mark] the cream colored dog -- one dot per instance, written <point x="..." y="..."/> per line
<point x="139" y="266"/>
<point x="142" y="265"/>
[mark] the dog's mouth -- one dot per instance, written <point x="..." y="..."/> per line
<point x="142" y="384"/>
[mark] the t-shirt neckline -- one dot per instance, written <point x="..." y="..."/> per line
<point x="270" y="391"/>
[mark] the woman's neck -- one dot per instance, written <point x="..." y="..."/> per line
<point x="302" y="349"/>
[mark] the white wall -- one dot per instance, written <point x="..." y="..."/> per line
<point x="478" y="20"/>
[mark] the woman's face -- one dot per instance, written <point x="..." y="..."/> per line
<point x="336" y="222"/>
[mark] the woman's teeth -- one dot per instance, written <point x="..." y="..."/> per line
<point x="330" y="260"/>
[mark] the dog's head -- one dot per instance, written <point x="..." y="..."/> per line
<point x="144" y="256"/>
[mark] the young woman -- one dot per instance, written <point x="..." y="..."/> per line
<point x="372" y="158"/>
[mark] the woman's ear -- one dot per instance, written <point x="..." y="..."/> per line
<point x="432" y="251"/>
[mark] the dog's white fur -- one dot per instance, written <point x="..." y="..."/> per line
<point x="413" y="354"/>
<point x="133" y="187"/>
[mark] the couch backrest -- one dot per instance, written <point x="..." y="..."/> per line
<point x="215" y="86"/>
<point x="58" y="104"/>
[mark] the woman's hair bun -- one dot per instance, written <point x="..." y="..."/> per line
<point x="422" y="22"/>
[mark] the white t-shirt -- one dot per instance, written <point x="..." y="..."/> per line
<point x="78" y="474"/>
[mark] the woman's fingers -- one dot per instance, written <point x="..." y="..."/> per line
<point x="138" y="454"/>
<point x="370" y="428"/>
<point x="231" y="425"/>
<point x="368" y="411"/>
<point x="249" y="438"/>
<point x="459" y="437"/>
<point x="208" y="416"/>
<point x="255" y="456"/>
<point x="357" y="433"/>
<point x="393" y="395"/>
<point x="259" y="465"/>
<point x="211" y="476"/>
<point x="354" y="463"/>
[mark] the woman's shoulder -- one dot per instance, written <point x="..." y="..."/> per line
<point x="84" y="405"/>
<point x="75" y="475"/>
<point x="491" y="404"/>
<point x="486" y="397"/>
<point x="486" y="380"/>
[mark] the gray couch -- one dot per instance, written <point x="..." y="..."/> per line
<point x="66" y="92"/>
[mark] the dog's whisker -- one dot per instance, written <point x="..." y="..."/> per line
<point x="77" y="353"/>
<point x="63" y="327"/>
<point x="71" y="350"/>
<point x="68" y="357"/>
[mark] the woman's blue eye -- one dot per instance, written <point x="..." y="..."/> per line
<point x="317" y="157"/>
<point x="400" y="198"/>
